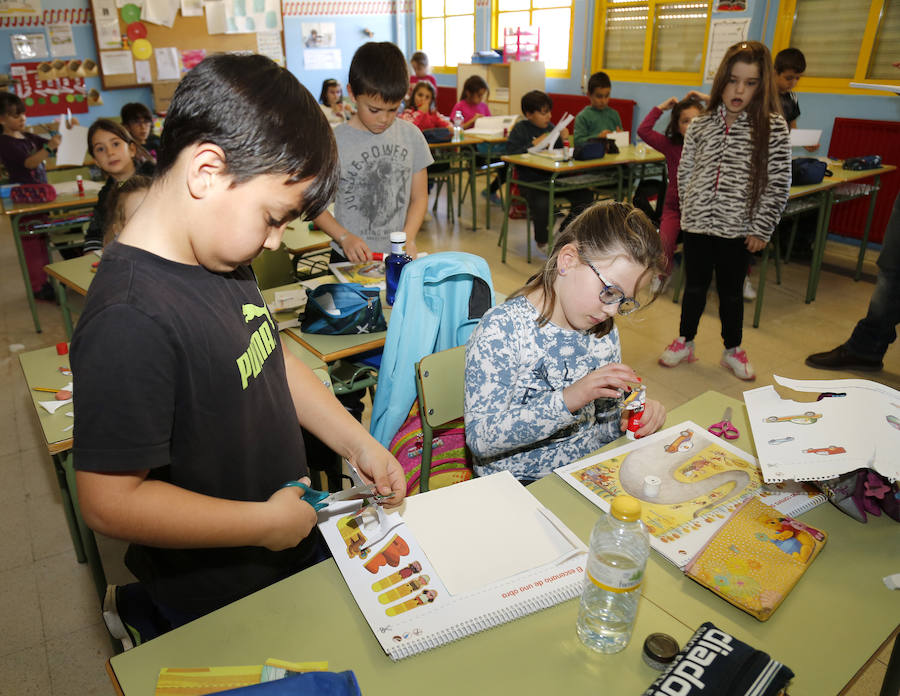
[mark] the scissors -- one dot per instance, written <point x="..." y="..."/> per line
<point x="321" y="499"/>
<point x="724" y="428"/>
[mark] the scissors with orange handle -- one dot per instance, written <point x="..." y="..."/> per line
<point x="725" y="428"/>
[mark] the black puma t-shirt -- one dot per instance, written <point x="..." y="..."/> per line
<point x="179" y="371"/>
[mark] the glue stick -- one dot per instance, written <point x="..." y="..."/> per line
<point x="634" y="422"/>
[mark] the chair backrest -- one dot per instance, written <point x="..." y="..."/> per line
<point x="273" y="268"/>
<point x="440" y="385"/>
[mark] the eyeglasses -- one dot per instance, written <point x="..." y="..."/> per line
<point x="613" y="294"/>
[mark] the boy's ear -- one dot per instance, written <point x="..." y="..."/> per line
<point x="205" y="168"/>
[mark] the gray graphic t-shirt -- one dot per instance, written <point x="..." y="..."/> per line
<point x="376" y="179"/>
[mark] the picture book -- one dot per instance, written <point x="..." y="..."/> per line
<point x="857" y="424"/>
<point x="493" y="126"/>
<point x="453" y="561"/>
<point x="370" y="273"/>
<point x="755" y="559"/>
<point x="688" y="481"/>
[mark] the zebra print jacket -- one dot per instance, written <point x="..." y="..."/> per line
<point x="714" y="177"/>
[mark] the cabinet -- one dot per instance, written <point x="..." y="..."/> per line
<point x="507" y="82"/>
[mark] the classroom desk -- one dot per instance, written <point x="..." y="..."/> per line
<point x="576" y="174"/>
<point x="67" y="205"/>
<point x="835" y="618"/>
<point x="308" y="247"/>
<point x="494" y="147"/>
<point x="75" y="274"/>
<point x="459" y="155"/>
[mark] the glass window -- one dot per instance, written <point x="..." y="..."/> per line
<point x="447" y="32"/>
<point x="552" y="17"/>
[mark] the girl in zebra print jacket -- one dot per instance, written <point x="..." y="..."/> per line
<point x="733" y="182"/>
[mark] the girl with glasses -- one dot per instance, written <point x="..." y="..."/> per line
<point x="544" y="369"/>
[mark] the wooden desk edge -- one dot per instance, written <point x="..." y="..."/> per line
<point x="310" y="247"/>
<point x="68" y="282"/>
<point x="111" y="673"/>
<point x="868" y="663"/>
<point x="338" y="354"/>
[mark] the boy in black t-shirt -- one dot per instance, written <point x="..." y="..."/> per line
<point x="189" y="410"/>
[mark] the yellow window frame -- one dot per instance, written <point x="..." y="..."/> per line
<point x="787" y="13"/>
<point x="495" y="31"/>
<point x="645" y="74"/>
<point x="443" y="69"/>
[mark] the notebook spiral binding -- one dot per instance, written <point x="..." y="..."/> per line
<point x="490" y="620"/>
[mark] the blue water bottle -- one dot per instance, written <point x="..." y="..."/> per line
<point x="394" y="264"/>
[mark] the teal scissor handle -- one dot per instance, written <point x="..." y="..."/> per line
<point x="311" y="495"/>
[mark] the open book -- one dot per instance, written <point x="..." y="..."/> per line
<point x="455" y="561"/>
<point x="493" y="126"/>
<point x="548" y="142"/>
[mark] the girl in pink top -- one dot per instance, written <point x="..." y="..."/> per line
<point x="670" y="144"/>
<point x="472" y="106"/>
<point x="424" y="112"/>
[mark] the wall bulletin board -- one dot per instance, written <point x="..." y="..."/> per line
<point x="188" y="36"/>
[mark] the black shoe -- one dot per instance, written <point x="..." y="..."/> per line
<point x="45" y="293"/>
<point x="842" y="359"/>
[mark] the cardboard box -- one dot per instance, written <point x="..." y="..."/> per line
<point x="162" y="95"/>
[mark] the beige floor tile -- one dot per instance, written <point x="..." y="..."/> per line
<point x="869" y="682"/>
<point x="47" y="522"/>
<point x="15" y="542"/>
<point x="68" y="599"/>
<point x="38" y="473"/>
<point x="77" y="662"/>
<point x="12" y="479"/>
<point x="25" y="673"/>
<point x="20" y="614"/>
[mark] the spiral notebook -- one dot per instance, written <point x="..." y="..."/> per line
<point x="455" y="561"/>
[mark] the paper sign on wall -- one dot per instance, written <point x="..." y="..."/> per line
<point x="322" y="59"/>
<point x="142" y="72"/>
<point x="28" y="46"/>
<point x="116" y="62"/>
<point x="62" y="43"/>
<point x="723" y="33"/>
<point x="168" y="63"/>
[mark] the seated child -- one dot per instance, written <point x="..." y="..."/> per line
<point x="536" y="106"/>
<point x="189" y="411"/>
<point x="138" y="120"/>
<point x="120" y="158"/>
<point x="384" y="184"/>
<point x="23" y="155"/>
<point x="334" y="107"/>
<point x="598" y="119"/>
<point x="544" y="369"/>
<point x="472" y="103"/>
<point x="423" y="111"/>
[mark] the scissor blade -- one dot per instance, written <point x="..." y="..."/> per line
<point x="359" y="491"/>
<point x="727" y="417"/>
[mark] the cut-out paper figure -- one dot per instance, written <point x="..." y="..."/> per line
<point x="403" y="590"/>
<point x="389" y="555"/>
<point x="807" y="418"/>
<point x="399" y="576"/>
<point x="893" y="420"/>
<point x="349" y="528"/>
<point x="682" y="443"/>
<point x="781" y="440"/>
<point x="427" y="597"/>
<point x="831" y="449"/>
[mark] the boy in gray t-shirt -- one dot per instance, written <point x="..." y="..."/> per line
<point x="384" y="183"/>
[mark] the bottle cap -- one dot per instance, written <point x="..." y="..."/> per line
<point x="626" y="508"/>
<point x="660" y="650"/>
<point x="62" y="348"/>
<point x="398" y="237"/>
<point x="652" y="485"/>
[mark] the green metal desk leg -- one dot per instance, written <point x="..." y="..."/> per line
<point x="487" y="208"/>
<point x="68" y="506"/>
<point x="865" y="240"/>
<point x="87" y="535"/>
<point x="819" y="245"/>
<point x="63" y="299"/>
<point x="23" y="265"/>
<point x="473" y="168"/>
<point x="504" y="228"/>
<point x="551" y="215"/>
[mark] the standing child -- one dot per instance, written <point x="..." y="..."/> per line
<point x="471" y="103"/>
<point x="189" y="411"/>
<point x="23" y="154"/>
<point x="733" y="182"/>
<point x="384" y="183"/>
<point x="138" y="119"/>
<point x="419" y="64"/>
<point x="670" y="144"/>
<point x="536" y="107"/>
<point x="120" y="158"/>
<point x="598" y="119"/>
<point x="544" y="369"/>
<point x="332" y="100"/>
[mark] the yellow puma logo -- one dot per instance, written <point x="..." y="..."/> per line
<point x="261" y="345"/>
<point x="252" y="311"/>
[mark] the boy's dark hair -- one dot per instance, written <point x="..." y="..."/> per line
<point x="264" y="120"/>
<point x="472" y="86"/>
<point x="11" y="103"/>
<point x="536" y="100"/>
<point x="673" y="132"/>
<point x="419" y="57"/>
<point x="599" y="80"/>
<point x="135" y="111"/>
<point x="378" y="69"/>
<point x="121" y="132"/>
<point x="326" y="85"/>
<point x="790" y="59"/>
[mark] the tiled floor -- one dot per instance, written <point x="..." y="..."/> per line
<point x="52" y="640"/>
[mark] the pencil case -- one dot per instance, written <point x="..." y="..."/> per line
<point x="33" y="193"/>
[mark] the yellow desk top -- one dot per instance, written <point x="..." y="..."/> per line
<point x="41" y="369"/>
<point x="75" y="273"/>
<point x="835" y="618"/>
<point x="299" y="239"/>
<point x="627" y="155"/>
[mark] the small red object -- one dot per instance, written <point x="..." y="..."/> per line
<point x="63" y="395"/>
<point x="378" y="256"/>
<point x="62" y="348"/>
<point x="136" y="30"/>
<point x="634" y="422"/>
<point x="79" y="180"/>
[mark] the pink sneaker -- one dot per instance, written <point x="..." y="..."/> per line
<point x="678" y="351"/>
<point x="736" y="360"/>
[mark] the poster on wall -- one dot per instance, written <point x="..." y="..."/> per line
<point x="251" y="16"/>
<point x="21" y="8"/>
<point x="723" y="33"/>
<point x="62" y="43"/>
<point x="731" y="6"/>
<point x="322" y="59"/>
<point x="48" y="97"/>
<point x="318" y="34"/>
<point x="28" y="46"/>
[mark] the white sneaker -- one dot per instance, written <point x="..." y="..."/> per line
<point x="678" y="351"/>
<point x="735" y="359"/>
<point x="749" y="292"/>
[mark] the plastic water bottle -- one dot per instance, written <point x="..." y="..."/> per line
<point x="615" y="570"/>
<point x="394" y="264"/>
<point x="458" y="119"/>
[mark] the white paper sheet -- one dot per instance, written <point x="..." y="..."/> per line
<point x="215" y="17"/>
<point x="54" y="405"/>
<point x="70" y="188"/>
<point x="548" y="142"/>
<point x="160" y="12"/>
<point x="723" y="33"/>
<point x="621" y="139"/>
<point x="322" y="59"/>
<point x="192" y="8"/>
<point x="168" y="63"/>
<point x="805" y="137"/>
<point x="62" y="43"/>
<point x="885" y="88"/>
<point x="116" y="62"/>
<point x="268" y="43"/>
<point x="493" y="125"/>
<point x="108" y="36"/>
<point x="28" y="46"/>
<point x="142" y="72"/>
<point x="73" y="146"/>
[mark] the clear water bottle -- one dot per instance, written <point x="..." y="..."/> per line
<point x="458" y="119"/>
<point x="615" y="570"/>
<point x="394" y="264"/>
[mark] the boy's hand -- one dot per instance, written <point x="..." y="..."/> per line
<point x="604" y="383"/>
<point x="54" y="141"/>
<point x="811" y="148"/>
<point x="754" y="244"/>
<point x="668" y="104"/>
<point x="564" y="133"/>
<point x="292" y="519"/>
<point x="355" y="249"/>
<point x="604" y="134"/>
<point x="376" y="465"/>
<point x="411" y="249"/>
<point x="652" y="418"/>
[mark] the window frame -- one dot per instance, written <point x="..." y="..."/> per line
<point x="445" y="69"/>
<point x="784" y="26"/>
<point x="645" y="74"/>
<point x="497" y="41"/>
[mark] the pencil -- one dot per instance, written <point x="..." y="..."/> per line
<point x="45" y="389"/>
